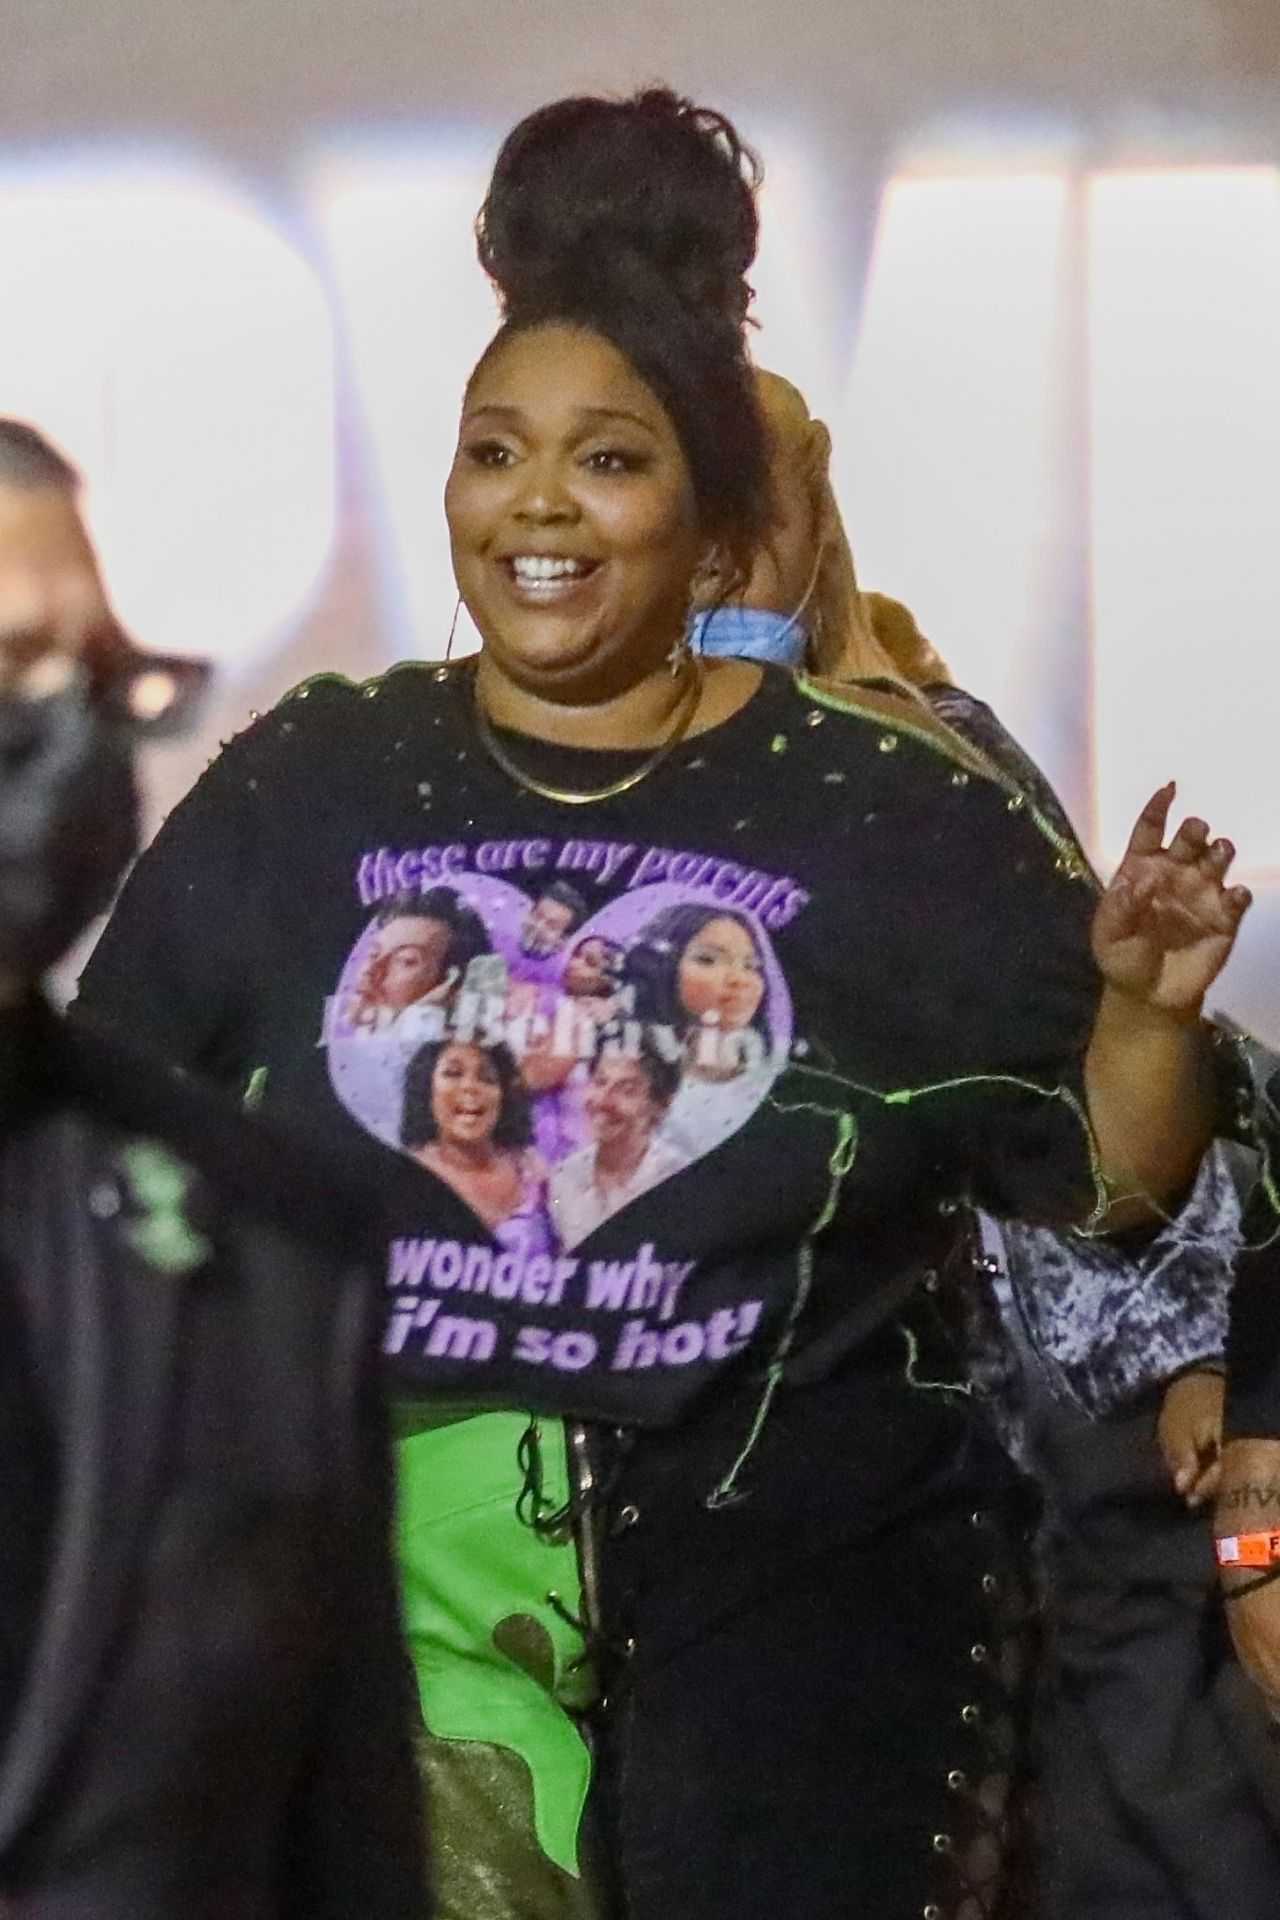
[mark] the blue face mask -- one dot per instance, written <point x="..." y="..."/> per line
<point x="749" y="633"/>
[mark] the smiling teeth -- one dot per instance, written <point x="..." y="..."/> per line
<point x="538" y="566"/>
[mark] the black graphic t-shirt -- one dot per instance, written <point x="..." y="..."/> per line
<point x="654" y="1089"/>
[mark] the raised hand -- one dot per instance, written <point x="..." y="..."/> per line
<point x="1166" y="924"/>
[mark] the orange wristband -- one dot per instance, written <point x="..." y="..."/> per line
<point x="1248" y="1549"/>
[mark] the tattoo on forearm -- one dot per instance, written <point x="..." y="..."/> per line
<point x="1251" y="1496"/>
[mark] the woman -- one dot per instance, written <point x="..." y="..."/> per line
<point x="466" y="1119"/>
<point x="698" y="980"/>
<point x="627" y="1101"/>
<point x="801" y="604"/>
<point x="611" y="452"/>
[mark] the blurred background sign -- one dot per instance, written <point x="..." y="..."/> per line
<point x="1024" y="258"/>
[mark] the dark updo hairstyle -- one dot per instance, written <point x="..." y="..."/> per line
<point x="636" y="219"/>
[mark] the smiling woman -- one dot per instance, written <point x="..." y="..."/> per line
<point x="758" y="1137"/>
<point x="574" y="528"/>
<point x="613" y="454"/>
<point x="466" y="1119"/>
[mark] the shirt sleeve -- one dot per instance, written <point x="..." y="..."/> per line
<point x="1112" y="1321"/>
<point x="168" y="972"/>
<point x="1028" y="1155"/>
<point x="1004" y="995"/>
<point x="982" y="974"/>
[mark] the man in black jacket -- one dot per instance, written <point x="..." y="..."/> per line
<point x="205" y="1710"/>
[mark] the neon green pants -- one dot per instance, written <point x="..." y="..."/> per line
<point x="500" y="1672"/>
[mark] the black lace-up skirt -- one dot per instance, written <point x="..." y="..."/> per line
<point x="818" y="1691"/>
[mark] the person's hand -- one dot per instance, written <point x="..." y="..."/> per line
<point x="1249" y="1502"/>
<point x="1190" y="1434"/>
<point x="1165" y="926"/>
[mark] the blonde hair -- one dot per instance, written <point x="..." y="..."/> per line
<point x="915" y="657"/>
<point x="853" y="635"/>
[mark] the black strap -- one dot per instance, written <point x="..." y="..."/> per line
<point x="1252" y="1586"/>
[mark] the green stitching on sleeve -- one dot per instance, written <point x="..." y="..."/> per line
<point x="950" y="745"/>
<point x="255" y="1089"/>
<point x="841" y="1160"/>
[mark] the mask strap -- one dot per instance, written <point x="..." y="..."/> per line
<point x="793" y="618"/>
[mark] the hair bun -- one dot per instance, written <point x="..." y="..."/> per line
<point x="642" y="198"/>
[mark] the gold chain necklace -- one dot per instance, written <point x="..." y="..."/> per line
<point x="572" y="797"/>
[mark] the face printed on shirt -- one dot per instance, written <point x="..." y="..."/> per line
<point x="466" y="1095"/>
<point x="721" y="975"/>
<point x="547" y="926"/>
<point x="408" y="962"/>
<point x="592" y="969"/>
<point x="622" y="1105"/>
<point x="576" y="1048"/>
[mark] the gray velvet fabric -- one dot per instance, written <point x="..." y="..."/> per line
<point x="1108" y="1325"/>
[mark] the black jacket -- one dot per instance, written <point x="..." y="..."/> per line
<point x="214" y="1722"/>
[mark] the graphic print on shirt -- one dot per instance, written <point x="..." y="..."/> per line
<point x="552" y="1059"/>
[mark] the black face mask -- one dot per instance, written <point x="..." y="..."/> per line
<point x="69" y="817"/>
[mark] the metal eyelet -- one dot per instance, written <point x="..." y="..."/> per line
<point x="957" y="1781"/>
<point x="104" y="1201"/>
<point x="971" y="1715"/>
<point x="977" y="1653"/>
<point x="626" y="1518"/>
<point x="942" y="1843"/>
<point x="888" y="743"/>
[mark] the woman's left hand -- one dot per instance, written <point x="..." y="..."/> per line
<point x="1165" y="926"/>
